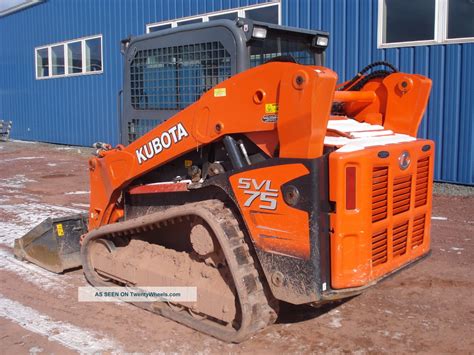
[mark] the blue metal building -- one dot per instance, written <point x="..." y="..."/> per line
<point x="77" y="103"/>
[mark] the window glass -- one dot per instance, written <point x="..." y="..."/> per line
<point x="93" y="55"/>
<point x="409" y="20"/>
<point x="74" y="52"/>
<point x="264" y="14"/>
<point x="188" y="22"/>
<point x="227" y="16"/>
<point x="461" y="18"/>
<point x="42" y="63"/>
<point x="296" y="47"/>
<point x="57" y="60"/>
<point x="159" y="27"/>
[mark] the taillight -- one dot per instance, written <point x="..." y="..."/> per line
<point x="350" y="188"/>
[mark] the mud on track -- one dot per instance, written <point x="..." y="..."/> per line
<point x="427" y="308"/>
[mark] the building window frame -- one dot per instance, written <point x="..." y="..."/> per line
<point x="205" y="18"/>
<point x="65" y="44"/>
<point x="440" y="28"/>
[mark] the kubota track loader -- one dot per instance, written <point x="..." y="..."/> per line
<point x="246" y="172"/>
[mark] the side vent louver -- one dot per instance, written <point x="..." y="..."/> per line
<point x="422" y="172"/>
<point x="379" y="248"/>
<point x="379" y="193"/>
<point x="400" y="238"/>
<point x="418" y="231"/>
<point x="401" y="194"/>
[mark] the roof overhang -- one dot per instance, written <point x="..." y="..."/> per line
<point x="8" y="7"/>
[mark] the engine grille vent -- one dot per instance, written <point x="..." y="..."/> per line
<point x="401" y="194"/>
<point x="379" y="193"/>
<point x="418" y="232"/>
<point x="400" y="238"/>
<point x="422" y="173"/>
<point x="379" y="248"/>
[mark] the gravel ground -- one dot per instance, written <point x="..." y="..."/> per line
<point x="446" y="189"/>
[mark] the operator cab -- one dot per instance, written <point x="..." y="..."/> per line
<point x="168" y="70"/>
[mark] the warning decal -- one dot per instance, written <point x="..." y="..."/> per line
<point x="220" y="92"/>
<point x="271" y="108"/>
<point x="59" y="229"/>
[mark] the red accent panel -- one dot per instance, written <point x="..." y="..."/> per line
<point x="159" y="188"/>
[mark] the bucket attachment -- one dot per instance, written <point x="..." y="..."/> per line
<point x="54" y="243"/>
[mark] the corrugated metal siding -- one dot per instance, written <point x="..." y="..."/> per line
<point x="449" y="119"/>
<point x="81" y="110"/>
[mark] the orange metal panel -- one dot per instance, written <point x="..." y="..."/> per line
<point x="391" y="223"/>
<point x="399" y="103"/>
<point x="274" y="226"/>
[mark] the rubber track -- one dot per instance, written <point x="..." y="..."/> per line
<point x="256" y="312"/>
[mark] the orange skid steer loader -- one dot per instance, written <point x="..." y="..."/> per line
<point x="245" y="171"/>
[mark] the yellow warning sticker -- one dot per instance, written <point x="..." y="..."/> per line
<point x="271" y="108"/>
<point x="188" y="163"/>
<point x="59" y="229"/>
<point x="220" y="92"/>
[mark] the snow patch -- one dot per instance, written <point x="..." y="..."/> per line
<point x="35" y="350"/>
<point x="68" y="148"/>
<point x="335" y="323"/>
<point x="10" y="231"/>
<point x="15" y="182"/>
<point x="83" y="205"/>
<point x="394" y="335"/>
<point x="68" y="335"/>
<point x="26" y="197"/>
<point x="51" y="164"/>
<point x="25" y="142"/>
<point x="28" y="216"/>
<point x="23" y="158"/>
<point x="439" y="218"/>
<point x="77" y="193"/>
<point x="336" y="319"/>
<point x="33" y="274"/>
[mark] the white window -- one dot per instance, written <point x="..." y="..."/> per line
<point x="224" y="16"/>
<point x="42" y="62"/>
<point x="160" y="27"/>
<point x="57" y="60"/>
<point x="403" y="23"/>
<point x="266" y="12"/>
<point x="76" y="57"/>
<point x="93" y="55"/>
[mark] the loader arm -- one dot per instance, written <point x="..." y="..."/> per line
<point x="304" y="95"/>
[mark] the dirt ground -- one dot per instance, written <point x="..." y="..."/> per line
<point x="428" y="308"/>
